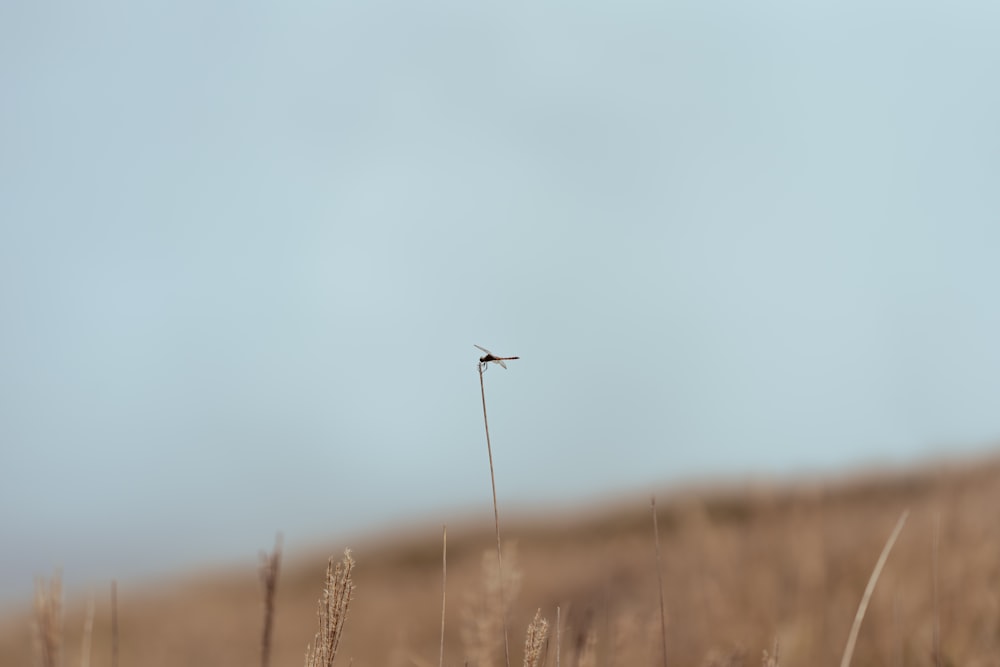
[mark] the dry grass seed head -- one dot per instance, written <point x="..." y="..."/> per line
<point x="338" y="592"/>
<point x="534" y="642"/>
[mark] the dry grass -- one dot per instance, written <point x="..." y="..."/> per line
<point x="270" y="566"/>
<point x="852" y="638"/>
<point x="487" y="605"/>
<point x="771" y="659"/>
<point x="743" y="571"/>
<point x="534" y="641"/>
<point x="558" y="636"/>
<point x="502" y="608"/>
<point x="444" y="589"/>
<point x="338" y="590"/>
<point x="659" y="579"/>
<point x="48" y="621"/>
<point x="88" y="634"/>
<point x="114" y="623"/>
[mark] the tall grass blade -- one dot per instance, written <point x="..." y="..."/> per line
<point x="869" y="589"/>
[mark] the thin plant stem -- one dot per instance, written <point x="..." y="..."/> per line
<point x="496" y="520"/>
<point x="659" y="578"/>
<point x="935" y="548"/>
<point x="114" y="623"/>
<point x="49" y="620"/>
<point x="870" y="588"/>
<point x="88" y="631"/>
<point x="558" y="633"/>
<point x="270" y="564"/>
<point x="444" y="580"/>
<point x="897" y="633"/>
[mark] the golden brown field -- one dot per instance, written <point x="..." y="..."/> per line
<point x="744" y="570"/>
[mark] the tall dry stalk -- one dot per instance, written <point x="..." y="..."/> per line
<point x="869" y="589"/>
<point x="558" y="635"/>
<point x="338" y="591"/>
<point x="896" y="659"/>
<point x="114" y="623"/>
<point x="48" y="620"/>
<point x="659" y="579"/>
<point x="270" y="564"/>
<point x="935" y="549"/>
<point x="496" y="519"/>
<point x="88" y="632"/>
<point x="444" y="588"/>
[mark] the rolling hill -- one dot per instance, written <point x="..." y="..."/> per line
<point x="745" y="570"/>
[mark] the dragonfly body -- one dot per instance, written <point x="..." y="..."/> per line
<point x="489" y="356"/>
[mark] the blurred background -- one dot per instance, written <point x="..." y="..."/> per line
<point x="246" y="250"/>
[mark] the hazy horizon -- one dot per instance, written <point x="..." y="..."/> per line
<point x="83" y="577"/>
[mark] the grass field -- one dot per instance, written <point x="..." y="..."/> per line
<point x="777" y="569"/>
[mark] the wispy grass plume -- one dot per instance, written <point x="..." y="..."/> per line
<point x="338" y="591"/>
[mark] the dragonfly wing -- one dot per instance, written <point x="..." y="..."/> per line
<point x="482" y="348"/>
<point x="500" y="361"/>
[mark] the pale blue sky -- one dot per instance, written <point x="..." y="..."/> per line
<point x="246" y="249"/>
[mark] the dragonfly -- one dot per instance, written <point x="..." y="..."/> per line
<point x="489" y="356"/>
